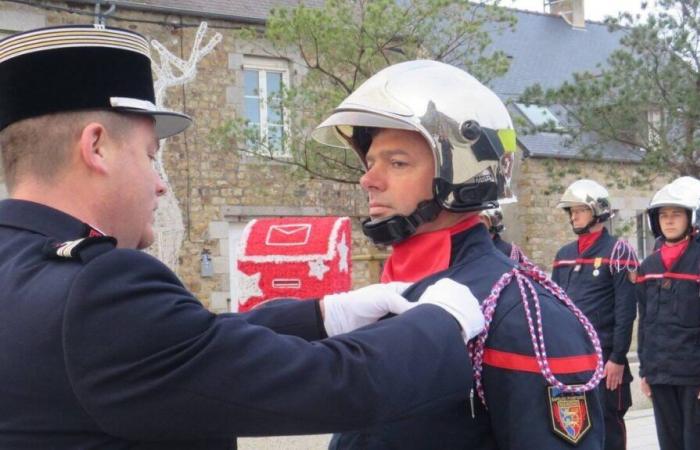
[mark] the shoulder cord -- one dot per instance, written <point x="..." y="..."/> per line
<point x="517" y="255"/>
<point x="476" y="346"/>
<point x="623" y="257"/>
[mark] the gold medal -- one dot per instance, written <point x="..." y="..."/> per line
<point x="596" y="266"/>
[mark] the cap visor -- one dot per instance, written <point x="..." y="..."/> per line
<point x="167" y="123"/>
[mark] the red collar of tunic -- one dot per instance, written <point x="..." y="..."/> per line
<point x="424" y="254"/>
<point x="586" y="240"/>
<point x="671" y="254"/>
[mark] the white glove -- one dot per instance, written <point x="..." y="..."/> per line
<point x="457" y="300"/>
<point x="351" y="310"/>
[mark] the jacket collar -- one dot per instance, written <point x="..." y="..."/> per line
<point x="471" y="244"/>
<point x="598" y="246"/>
<point x="41" y="219"/>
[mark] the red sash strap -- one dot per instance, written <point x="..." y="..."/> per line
<point x="571" y="262"/>
<point x="525" y="363"/>
<point x="672" y="275"/>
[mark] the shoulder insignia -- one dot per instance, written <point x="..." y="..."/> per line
<point x="569" y="414"/>
<point x="83" y="249"/>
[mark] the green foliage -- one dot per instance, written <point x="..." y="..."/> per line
<point x="624" y="227"/>
<point x="342" y="43"/>
<point x="647" y="96"/>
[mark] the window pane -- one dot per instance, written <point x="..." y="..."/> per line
<point x="252" y="110"/>
<point x="251" y="83"/>
<point x="538" y="115"/>
<point x="274" y="84"/>
<point x="274" y="115"/>
<point x="274" y="138"/>
<point x="252" y="135"/>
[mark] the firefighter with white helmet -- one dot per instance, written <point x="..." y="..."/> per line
<point x="596" y="271"/>
<point x="669" y="317"/>
<point x="438" y="147"/>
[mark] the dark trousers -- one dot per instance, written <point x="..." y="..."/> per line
<point x="616" y="403"/>
<point x="677" y="415"/>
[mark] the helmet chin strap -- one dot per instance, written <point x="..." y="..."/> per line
<point x="586" y="229"/>
<point x="678" y="239"/>
<point x="396" y="228"/>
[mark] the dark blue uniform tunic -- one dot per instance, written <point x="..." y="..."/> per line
<point x="669" y="345"/>
<point x="518" y="415"/>
<point x="107" y="350"/>
<point x="505" y="247"/>
<point x="607" y="298"/>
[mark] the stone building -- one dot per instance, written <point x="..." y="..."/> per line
<point x="547" y="49"/>
<point x="219" y="190"/>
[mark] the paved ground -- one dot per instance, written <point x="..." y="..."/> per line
<point x="640" y="431"/>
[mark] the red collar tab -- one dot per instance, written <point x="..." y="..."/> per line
<point x="671" y="254"/>
<point x="424" y="254"/>
<point x="586" y="240"/>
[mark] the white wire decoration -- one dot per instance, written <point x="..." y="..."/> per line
<point x="169" y="227"/>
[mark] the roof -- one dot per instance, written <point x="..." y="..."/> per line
<point x="238" y="10"/>
<point x="545" y="49"/>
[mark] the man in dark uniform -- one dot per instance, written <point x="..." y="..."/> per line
<point x="493" y="220"/>
<point x="403" y="122"/>
<point x="669" y="319"/>
<point x="101" y="346"/>
<point x="596" y="271"/>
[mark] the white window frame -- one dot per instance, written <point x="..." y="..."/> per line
<point x="263" y="66"/>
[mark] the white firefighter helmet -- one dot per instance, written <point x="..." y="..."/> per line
<point x="588" y="193"/>
<point x="465" y="124"/>
<point x="691" y="184"/>
<point x="495" y="218"/>
<point x="679" y="193"/>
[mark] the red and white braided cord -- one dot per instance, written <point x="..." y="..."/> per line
<point x="476" y="347"/>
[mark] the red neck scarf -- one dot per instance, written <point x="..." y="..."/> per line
<point x="586" y="240"/>
<point x="424" y="254"/>
<point x="671" y="254"/>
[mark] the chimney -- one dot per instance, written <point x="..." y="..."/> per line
<point x="570" y="10"/>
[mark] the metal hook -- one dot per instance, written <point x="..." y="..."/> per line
<point x="100" y="16"/>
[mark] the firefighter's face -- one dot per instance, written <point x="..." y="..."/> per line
<point x="400" y="170"/>
<point x="581" y="216"/>
<point x="673" y="222"/>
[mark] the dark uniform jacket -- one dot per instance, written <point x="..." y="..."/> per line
<point x="669" y="319"/>
<point x="518" y="417"/>
<point x="107" y="350"/>
<point x="505" y="247"/>
<point x="606" y="298"/>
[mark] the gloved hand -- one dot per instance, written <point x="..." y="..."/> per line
<point x="458" y="300"/>
<point x="348" y="311"/>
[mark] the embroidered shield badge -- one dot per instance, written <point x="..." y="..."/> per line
<point x="569" y="414"/>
